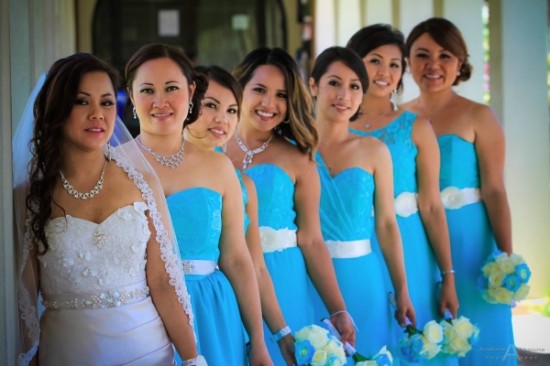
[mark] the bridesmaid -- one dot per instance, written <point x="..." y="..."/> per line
<point x="415" y="156"/>
<point x="220" y="112"/>
<point x="275" y="145"/>
<point x="205" y="203"/>
<point x="472" y="178"/>
<point x="351" y="183"/>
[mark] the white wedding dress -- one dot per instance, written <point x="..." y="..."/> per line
<point x="93" y="282"/>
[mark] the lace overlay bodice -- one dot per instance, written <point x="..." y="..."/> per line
<point x="197" y="219"/>
<point x="397" y="135"/>
<point x="346" y="214"/>
<point x="275" y="191"/>
<point x="85" y="257"/>
<point x="459" y="163"/>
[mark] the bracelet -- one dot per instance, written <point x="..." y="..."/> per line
<point x="339" y="312"/>
<point x="450" y="271"/>
<point x="197" y="361"/>
<point x="283" y="332"/>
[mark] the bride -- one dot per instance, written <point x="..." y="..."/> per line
<point x="95" y="240"/>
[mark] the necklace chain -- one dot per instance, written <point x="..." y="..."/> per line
<point x="249" y="154"/>
<point x="169" y="161"/>
<point x="86" y="195"/>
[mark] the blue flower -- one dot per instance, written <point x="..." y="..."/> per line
<point x="303" y="350"/>
<point x="511" y="282"/>
<point x="523" y="272"/>
<point x="382" y="360"/>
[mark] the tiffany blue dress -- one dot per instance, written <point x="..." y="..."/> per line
<point x="347" y="225"/>
<point x="423" y="276"/>
<point x="283" y="258"/>
<point x="197" y="219"/>
<point x="472" y="242"/>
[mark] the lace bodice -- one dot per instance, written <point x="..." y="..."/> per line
<point x="397" y="135"/>
<point x="85" y="257"/>
<point x="346" y="214"/>
<point x="275" y="192"/>
<point x="459" y="163"/>
<point x="197" y="219"/>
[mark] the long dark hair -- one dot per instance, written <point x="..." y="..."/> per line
<point x="300" y="127"/>
<point x="52" y="108"/>
<point x="155" y="51"/>
<point x="376" y="35"/>
<point x="349" y="58"/>
<point x="448" y="36"/>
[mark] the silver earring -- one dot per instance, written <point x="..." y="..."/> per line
<point x="109" y="150"/>
<point x="392" y="101"/>
<point x="190" y="107"/>
<point x="134" y="112"/>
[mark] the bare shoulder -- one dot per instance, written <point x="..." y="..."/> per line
<point x="410" y="106"/>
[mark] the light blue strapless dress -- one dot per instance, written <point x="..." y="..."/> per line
<point x="423" y="276"/>
<point x="472" y="242"/>
<point x="276" y="215"/>
<point x="347" y="225"/>
<point x="197" y="218"/>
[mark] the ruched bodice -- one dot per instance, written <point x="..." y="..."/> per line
<point x="275" y="191"/>
<point x="197" y="219"/>
<point x="346" y="203"/>
<point x="459" y="163"/>
<point x="85" y="257"/>
<point x="397" y="135"/>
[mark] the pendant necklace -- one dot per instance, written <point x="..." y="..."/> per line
<point x="169" y="161"/>
<point x="86" y="195"/>
<point x="249" y="154"/>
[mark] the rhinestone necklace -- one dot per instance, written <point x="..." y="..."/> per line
<point x="249" y="154"/>
<point x="169" y="161"/>
<point x="86" y="195"/>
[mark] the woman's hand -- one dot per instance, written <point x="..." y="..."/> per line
<point x="344" y="324"/>
<point x="259" y="356"/>
<point x="286" y="345"/>
<point x="405" y="310"/>
<point x="448" y="299"/>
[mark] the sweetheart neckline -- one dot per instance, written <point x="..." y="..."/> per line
<point x="93" y="222"/>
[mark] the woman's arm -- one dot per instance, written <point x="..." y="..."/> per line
<point x="310" y="240"/>
<point x="490" y="148"/>
<point x="388" y="233"/>
<point x="166" y="301"/>
<point x="432" y="211"/>
<point x="236" y="263"/>
<point x="271" y="311"/>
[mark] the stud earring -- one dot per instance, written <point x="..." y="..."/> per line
<point x="134" y="112"/>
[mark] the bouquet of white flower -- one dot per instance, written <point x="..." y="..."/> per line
<point x="459" y="335"/>
<point x="504" y="278"/>
<point x="316" y="346"/>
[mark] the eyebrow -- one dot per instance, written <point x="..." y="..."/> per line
<point x="392" y="59"/>
<point x="214" y="99"/>
<point x="151" y="84"/>
<point x="338" y="77"/>
<point x="265" y="87"/>
<point x="427" y="50"/>
<point x="102" y="95"/>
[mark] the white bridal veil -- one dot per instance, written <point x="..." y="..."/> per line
<point x="125" y="152"/>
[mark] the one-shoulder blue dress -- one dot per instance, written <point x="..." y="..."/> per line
<point x="472" y="241"/>
<point x="423" y="276"/>
<point x="197" y="218"/>
<point x="347" y="225"/>
<point x="283" y="258"/>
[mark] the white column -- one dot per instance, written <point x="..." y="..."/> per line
<point x="348" y="20"/>
<point x="519" y="97"/>
<point x="325" y="25"/>
<point x="378" y="11"/>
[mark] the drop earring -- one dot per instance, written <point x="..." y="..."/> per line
<point x="190" y="107"/>
<point x="394" y="106"/>
<point x="109" y="150"/>
<point x="134" y="112"/>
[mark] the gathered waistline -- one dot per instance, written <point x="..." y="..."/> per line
<point x="454" y="198"/>
<point x="101" y="300"/>
<point x="198" y="266"/>
<point x="406" y="204"/>
<point x="276" y="240"/>
<point x="348" y="249"/>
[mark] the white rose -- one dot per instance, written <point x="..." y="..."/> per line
<point x="433" y="331"/>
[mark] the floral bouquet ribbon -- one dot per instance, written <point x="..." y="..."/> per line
<point x="382" y="358"/>
<point x="504" y="278"/>
<point x="459" y="335"/>
<point x="316" y="346"/>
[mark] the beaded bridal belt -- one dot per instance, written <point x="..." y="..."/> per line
<point x="102" y="300"/>
<point x="198" y="267"/>
<point x="406" y="204"/>
<point x="454" y="198"/>
<point x="277" y="240"/>
<point x="348" y="249"/>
